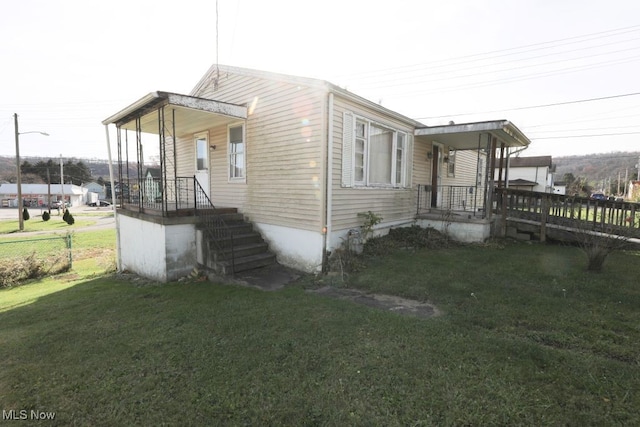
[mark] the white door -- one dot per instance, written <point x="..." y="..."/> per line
<point x="202" y="162"/>
<point x="436" y="175"/>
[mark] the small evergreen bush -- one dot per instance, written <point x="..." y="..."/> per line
<point x="46" y="216"/>
<point x="25" y="214"/>
<point x="68" y="218"/>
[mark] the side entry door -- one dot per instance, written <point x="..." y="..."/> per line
<point x="202" y="161"/>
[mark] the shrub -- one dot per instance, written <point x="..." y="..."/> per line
<point x="413" y="237"/>
<point x="25" y="214"/>
<point x="69" y="218"/>
<point x="46" y="216"/>
<point x="65" y="215"/>
<point x="16" y="270"/>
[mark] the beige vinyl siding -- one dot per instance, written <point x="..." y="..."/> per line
<point x="284" y="139"/>
<point x="393" y="204"/>
<point x="186" y="155"/>
<point x="465" y="169"/>
<point x="466" y="175"/>
<point x="421" y="164"/>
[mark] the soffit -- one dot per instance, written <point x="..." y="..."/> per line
<point x="471" y="136"/>
<point x="188" y="114"/>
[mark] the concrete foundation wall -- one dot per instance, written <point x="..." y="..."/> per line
<point x="467" y="232"/>
<point x="158" y="251"/>
<point x="295" y="248"/>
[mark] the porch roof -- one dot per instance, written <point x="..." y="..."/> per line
<point x="192" y="114"/>
<point x="466" y="136"/>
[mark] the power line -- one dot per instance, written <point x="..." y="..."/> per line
<point x="586" y="136"/>
<point x="465" y="58"/>
<point x="529" y="107"/>
<point x="396" y="82"/>
<point x="515" y="79"/>
<point x="583" y="129"/>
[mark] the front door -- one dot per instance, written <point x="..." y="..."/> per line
<point x="202" y="161"/>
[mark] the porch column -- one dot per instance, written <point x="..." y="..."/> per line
<point x="490" y="172"/>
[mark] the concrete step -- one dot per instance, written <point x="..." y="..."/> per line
<point x="240" y="251"/>
<point x="251" y="262"/>
<point x="244" y="239"/>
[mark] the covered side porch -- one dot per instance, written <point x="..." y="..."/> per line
<point x="149" y="132"/>
<point x="456" y="192"/>
<point x="164" y="216"/>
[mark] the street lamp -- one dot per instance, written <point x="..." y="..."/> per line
<point x="19" y="175"/>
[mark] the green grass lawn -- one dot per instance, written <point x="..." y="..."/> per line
<point x="55" y="224"/>
<point x="527" y="337"/>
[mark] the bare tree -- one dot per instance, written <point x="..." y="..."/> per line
<point x="598" y="244"/>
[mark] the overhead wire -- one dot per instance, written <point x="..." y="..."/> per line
<point x="393" y="71"/>
<point x="555" y="104"/>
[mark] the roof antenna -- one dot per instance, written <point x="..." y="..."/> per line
<point x="216" y="79"/>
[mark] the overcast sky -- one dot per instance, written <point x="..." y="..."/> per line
<point x="69" y="64"/>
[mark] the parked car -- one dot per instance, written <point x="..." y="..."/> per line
<point x="99" y="203"/>
<point x="598" y="196"/>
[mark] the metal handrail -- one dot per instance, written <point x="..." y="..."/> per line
<point x="456" y="198"/>
<point x="215" y="225"/>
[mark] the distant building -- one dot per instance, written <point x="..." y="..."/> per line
<point x="37" y="195"/>
<point x="95" y="188"/>
<point x="634" y="191"/>
<point x="530" y="173"/>
<point x="560" y="187"/>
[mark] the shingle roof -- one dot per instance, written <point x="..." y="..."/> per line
<point x="524" y="162"/>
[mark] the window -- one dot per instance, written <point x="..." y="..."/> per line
<point x="401" y="141"/>
<point x="236" y="152"/>
<point x="359" y="154"/>
<point x="451" y="163"/>
<point x="479" y="179"/>
<point x="374" y="155"/>
<point x="202" y="146"/>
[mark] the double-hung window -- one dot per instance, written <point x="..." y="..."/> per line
<point x="236" y="153"/>
<point x="451" y="162"/>
<point x="374" y="155"/>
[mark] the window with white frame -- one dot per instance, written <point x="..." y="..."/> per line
<point x="236" y="152"/>
<point x="374" y="155"/>
<point x="451" y="162"/>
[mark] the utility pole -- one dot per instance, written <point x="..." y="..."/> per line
<point x="62" y="182"/>
<point x="626" y="181"/>
<point x="18" y="176"/>
<point x="48" y="191"/>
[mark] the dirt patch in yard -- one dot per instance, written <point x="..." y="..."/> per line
<point x="392" y="303"/>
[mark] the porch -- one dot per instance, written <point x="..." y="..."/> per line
<point x="457" y="188"/>
<point x="167" y="223"/>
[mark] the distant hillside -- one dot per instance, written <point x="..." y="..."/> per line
<point x="598" y="167"/>
<point x="593" y="167"/>
<point x="98" y="167"/>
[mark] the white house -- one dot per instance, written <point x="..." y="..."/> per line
<point x="528" y="173"/>
<point x="296" y="160"/>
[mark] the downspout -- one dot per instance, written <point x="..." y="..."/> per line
<point x="328" y="204"/>
<point x="113" y="199"/>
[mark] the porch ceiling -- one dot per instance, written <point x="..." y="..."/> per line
<point x="466" y="136"/>
<point x="191" y="114"/>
